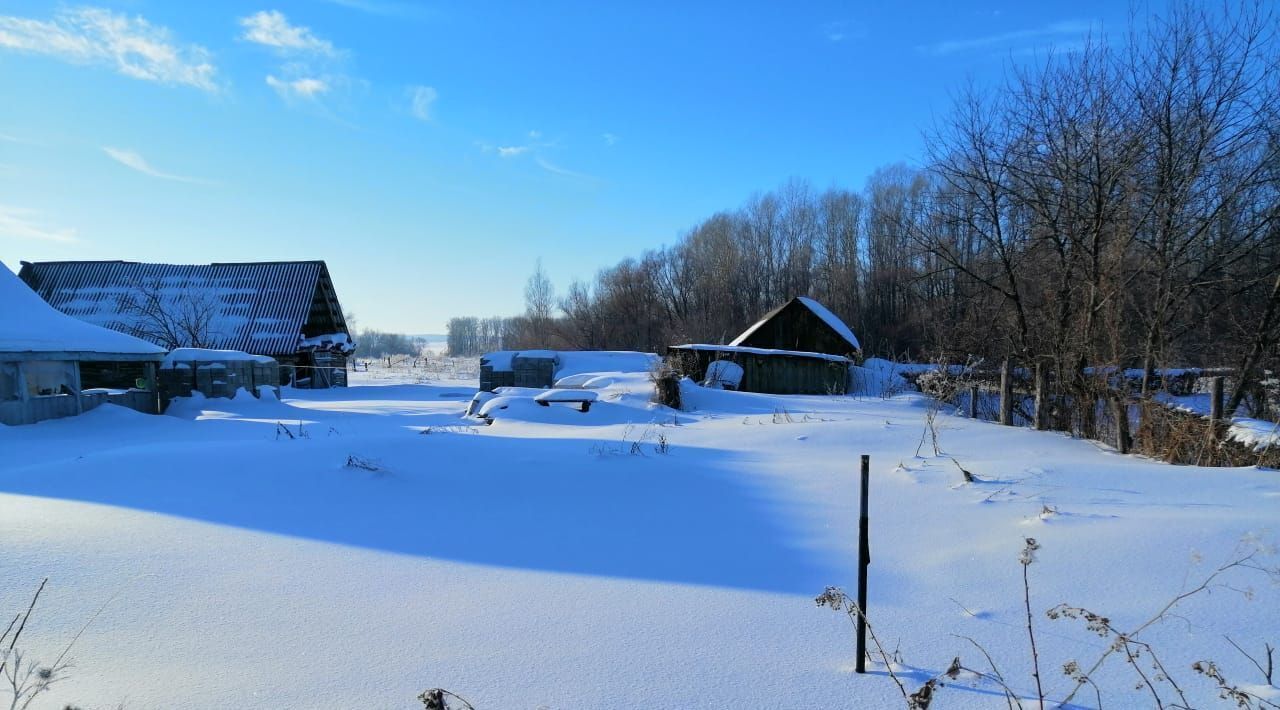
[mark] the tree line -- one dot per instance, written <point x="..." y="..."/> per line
<point x="1110" y="207"/>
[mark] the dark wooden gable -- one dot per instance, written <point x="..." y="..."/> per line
<point x="794" y="326"/>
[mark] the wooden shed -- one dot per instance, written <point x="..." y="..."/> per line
<point x="802" y="325"/>
<point x="52" y="365"/>
<point x="525" y="368"/>
<point x="766" y="370"/>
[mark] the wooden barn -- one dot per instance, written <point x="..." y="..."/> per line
<point x="802" y="325"/>
<point x="53" y="365"/>
<point x="800" y="347"/>
<point x="288" y="310"/>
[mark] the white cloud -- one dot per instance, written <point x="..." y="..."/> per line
<point x="130" y="159"/>
<point x="306" y="87"/>
<point x="511" y="151"/>
<point x="272" y="29"/>
<point x="131" y="45"/>
<point x="22" y="224"/>
<point x="610" y="139"/>
<point x="1071" y="29"/>
<point x="421" y="100"/>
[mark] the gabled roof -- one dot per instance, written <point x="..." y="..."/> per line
<point x="822" y="312"/>
<point x="29" y="325"/>
<point x="259" y="307"/>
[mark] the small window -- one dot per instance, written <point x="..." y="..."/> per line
<point x="49" y="377"/>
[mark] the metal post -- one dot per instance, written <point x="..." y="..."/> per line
<point x="864" y="559"/>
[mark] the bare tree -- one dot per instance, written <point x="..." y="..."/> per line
<point x="171" y="315"/>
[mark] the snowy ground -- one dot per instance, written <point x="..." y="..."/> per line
<point x="559" y="560"/>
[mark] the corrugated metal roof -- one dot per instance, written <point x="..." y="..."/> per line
<point x="260" y="308"/>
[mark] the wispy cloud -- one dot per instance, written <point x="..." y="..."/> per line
<point x="841" y="30"/>
<point x="553" y="168"/>
<point x="130" y="45"/>
<point x="303" y="88"/>
<point x="271" y="28"/>
<point x="386" y="8"/>
<point x="1017" y="39"/>
<point x="21" y="223"/>
<point x="132" y="160"/>
<point x="421" y="101"/>
<point x="536" y="148"/>
<point x="610" y="139"/>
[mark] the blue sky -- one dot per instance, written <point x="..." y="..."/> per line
<point x="430" y="153"/>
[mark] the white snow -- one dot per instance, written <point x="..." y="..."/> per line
<point x="28" y="324"/>
<point x="186" y="356"/>
<point x="559" y="559"/>
<point x="341" y="342"/>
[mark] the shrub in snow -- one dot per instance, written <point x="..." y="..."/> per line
<point x="441" y="699"/>
<point x="1153" y="677"/>
<point x="666" y="380"/>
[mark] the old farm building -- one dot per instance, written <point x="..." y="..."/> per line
<point x="286" y="310"/>
<point x="53" y="365"/>
<point x="800" y="347"/>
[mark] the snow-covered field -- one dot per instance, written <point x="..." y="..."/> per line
<point x="350" y="548"/>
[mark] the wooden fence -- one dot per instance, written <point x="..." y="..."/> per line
<point x="1114" y="417"/>
<point x="38" y="409"/>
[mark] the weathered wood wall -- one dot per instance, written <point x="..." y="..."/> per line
<point x="771" y="374"/>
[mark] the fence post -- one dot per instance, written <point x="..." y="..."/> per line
<point x="1006" y="393"/>
<point x="1042" y="396"/>
<point x="1215" y="406"/>
<point x="973" y="401"/>
<point x="864" y="559"/>
<point x="1215" y="399"/>
<point x="1121" y="404"/>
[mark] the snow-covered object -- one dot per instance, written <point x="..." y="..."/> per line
<point x="760" y="351"/>
<point x="499" y="360"/>
<point x="566" y="395"/>
<point x="819" y="310"/>
<point x="478" y="401"/>
<point x="29" y="325"/>
<point x="335" y="342"/>
<point x="577" y="380"/>
<point x="184" y="356"/>
<point x="724" y="374"/>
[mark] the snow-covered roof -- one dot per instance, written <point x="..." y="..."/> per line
<point x="819" y="310"/>
<point x="262" y="308"/>
<point x="207" y="355"/>
<point x="337" y="342"/>
<point x="759" y="351"/>
<point x="29" y="325"/>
